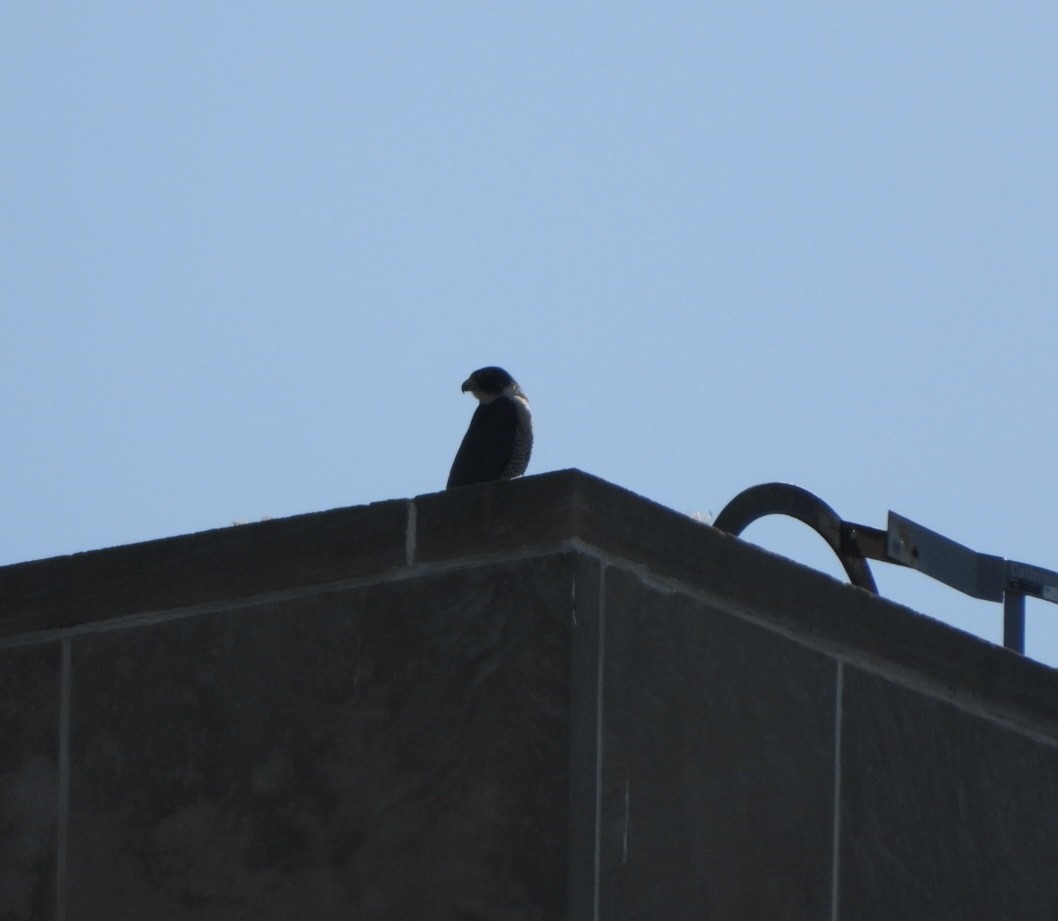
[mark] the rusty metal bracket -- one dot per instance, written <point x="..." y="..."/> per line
<point x="795" y="502"/>
<point x="904" y="543"/>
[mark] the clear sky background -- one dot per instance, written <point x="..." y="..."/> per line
<point x="249" y="251"/>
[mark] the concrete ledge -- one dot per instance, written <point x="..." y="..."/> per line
<point x="529" y="700"/>
<point x="561" y="509"/>
<point x="177" y="572"/>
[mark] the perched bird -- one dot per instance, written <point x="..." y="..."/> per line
<point x="500" y="437"/>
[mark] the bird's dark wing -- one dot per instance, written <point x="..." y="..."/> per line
<point x="487" y="445"/>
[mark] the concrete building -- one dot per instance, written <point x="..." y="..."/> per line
<point x="543" y="699"/>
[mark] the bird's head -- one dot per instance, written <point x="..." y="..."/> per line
<point x="488" y="383"/>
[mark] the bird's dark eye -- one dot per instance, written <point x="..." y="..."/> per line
<point x="491" y="380"/>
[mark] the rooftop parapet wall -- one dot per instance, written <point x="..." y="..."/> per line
<point x="568" y="508"/>
<point x="538" y="699"/>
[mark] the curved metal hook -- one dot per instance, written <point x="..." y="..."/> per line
<point x="787" y="499"/>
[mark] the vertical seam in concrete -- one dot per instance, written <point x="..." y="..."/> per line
<point x="600" y="663"/>
<point x="63" y="805"/>
<point x="573" y="597"/>
<point x="410" y="535"/>
<point x="835" y="855"/>
<point x="624" y="838"/>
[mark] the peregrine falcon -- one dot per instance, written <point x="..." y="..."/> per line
<point x="500" y="437"/>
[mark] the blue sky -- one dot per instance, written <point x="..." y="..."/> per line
<point x="250" y="251"/>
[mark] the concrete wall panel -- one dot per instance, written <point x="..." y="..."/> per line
<point x="29" y="780"/>
<point x="391" y="751"/>
<point x="945" y="813"/>
<point x="718" y="763"/>
<point x="542" y="699"/>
